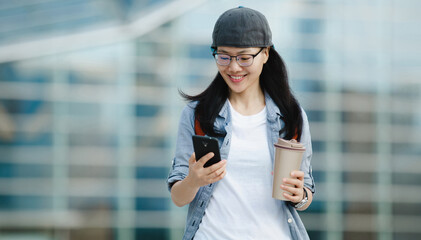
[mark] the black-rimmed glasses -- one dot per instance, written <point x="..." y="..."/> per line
<point x="243" y="60"/>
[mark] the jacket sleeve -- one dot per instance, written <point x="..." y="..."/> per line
<point x="184" y="146"/>
<point x="306" y="161"/>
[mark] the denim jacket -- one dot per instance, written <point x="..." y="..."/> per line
<point x="184" y="148"/>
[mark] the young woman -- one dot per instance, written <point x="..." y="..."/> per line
<point x="248" y="106"/>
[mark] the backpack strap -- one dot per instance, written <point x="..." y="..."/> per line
<point x="197" y="129"/>
<point x="295" y="136"/>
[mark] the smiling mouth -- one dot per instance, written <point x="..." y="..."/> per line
<point x="237" y="78"/>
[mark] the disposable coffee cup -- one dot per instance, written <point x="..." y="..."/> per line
<point x="288" y="155"/>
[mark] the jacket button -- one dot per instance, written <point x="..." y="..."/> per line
<point x="289" y="220"/>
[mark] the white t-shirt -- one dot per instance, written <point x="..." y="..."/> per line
<point x="241" y="206"/>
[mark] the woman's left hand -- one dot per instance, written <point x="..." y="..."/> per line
<point x="297" y="188"/>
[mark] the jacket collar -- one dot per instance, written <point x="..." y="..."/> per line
<point x="224" y="110"/>
<point x="273" y="111"/>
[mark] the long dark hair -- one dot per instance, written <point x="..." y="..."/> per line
<point x="273" y="81"/>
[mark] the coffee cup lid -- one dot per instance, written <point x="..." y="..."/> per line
<point x="291" y="144"/>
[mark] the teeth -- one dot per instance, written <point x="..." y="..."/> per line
<point x="237" y="78"/>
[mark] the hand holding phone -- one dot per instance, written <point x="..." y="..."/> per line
<point x="203" y="145"/>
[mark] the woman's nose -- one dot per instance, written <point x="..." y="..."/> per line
<point x="234" y="66"/>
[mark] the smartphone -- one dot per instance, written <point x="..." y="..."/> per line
<point x="204" y="145"/>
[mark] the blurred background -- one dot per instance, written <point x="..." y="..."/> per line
<point x="89" y="109"/>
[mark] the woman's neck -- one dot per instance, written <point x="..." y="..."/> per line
<point x="248" y="103"/>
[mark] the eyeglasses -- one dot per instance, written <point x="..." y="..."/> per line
<point x="243" y="60"/>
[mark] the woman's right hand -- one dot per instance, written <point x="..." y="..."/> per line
<point x="183" y="192"/>
<point x="200" y="176"/>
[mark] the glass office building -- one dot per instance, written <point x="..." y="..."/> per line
<point x="89" y="109"/>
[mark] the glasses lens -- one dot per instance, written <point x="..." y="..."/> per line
<point x="222" y="59"/>
<point x="245" y="60"/>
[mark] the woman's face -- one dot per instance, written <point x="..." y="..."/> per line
<point x="242" y="79"/>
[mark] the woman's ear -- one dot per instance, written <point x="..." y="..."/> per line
<point x="266" y="54"/>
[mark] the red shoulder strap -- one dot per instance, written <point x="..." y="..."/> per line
<point x="197" y="129"/>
